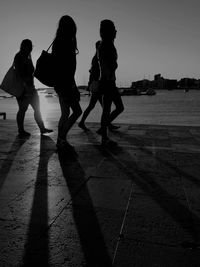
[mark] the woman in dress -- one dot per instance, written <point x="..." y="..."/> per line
<point x="64" y="51"/>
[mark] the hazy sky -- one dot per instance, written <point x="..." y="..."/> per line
<point x="153" y="36"/>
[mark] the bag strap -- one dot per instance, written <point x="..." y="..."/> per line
<point x="50" y="46"/>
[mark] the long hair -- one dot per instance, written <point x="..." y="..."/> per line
<point x="25" y="43"/>
<point x="67" y="30"/>
<point x="107" y="29"/>
<point x="108" y="33"/>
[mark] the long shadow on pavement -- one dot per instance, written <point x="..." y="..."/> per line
<point x="148" y="184"/>
<point x="140" y="144"/>
<point x="37" y="242"/>
<point x="8" y="161"/>
<point x="88" y="228"/>
<point x="182" y="214"/>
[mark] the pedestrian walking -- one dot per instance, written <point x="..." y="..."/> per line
<point x="107" y="56"/>
<point x="93" y="88"/>
<point x="64" y="51"/>
<point x="96" y="95"/>
<point x="24" y="68"/>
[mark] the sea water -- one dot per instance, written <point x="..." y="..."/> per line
<point x="165" y="108"/>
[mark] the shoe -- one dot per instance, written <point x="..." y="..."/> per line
<point x="112" y="127"/>
<point x="82" y="126"/>
<point x="108" y="142"/>
<point x="23" y="134"/>
<point x="45" y="130"/>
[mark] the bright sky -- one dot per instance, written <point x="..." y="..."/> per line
<point x="153" y="36"/>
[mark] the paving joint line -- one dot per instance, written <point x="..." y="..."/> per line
<point x="68" y="203"/>
<point x="120" y="237"/>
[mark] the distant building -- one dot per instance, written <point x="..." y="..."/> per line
<point x="158" y="77"/>
<point x="189" y="83"/>
<point x="158" y="82"/>
<point x="141" y="85"/>
<point x="169" y="84"/>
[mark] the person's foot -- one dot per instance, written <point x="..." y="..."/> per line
<point x="82" y="126"/>
<point x="23" y="133"/>
<point x="112" y="127"/>
<point x="108" y="142"/>
<point x="45" y="130"/>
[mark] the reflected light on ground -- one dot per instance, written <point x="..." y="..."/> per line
<point x="44" y="106"/>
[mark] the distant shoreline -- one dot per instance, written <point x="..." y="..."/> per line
<point x="127" y="91"/>
<point x="165" y="108"/>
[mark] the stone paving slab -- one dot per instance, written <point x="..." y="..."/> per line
<point x="137" y="253"/>
<point x="136" y="204"/>
<point x="152" y="218"/>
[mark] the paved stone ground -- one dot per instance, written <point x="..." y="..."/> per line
<point x="137" y="204"/>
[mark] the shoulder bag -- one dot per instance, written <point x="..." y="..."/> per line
<point x="12" y="83"/>
<point x="44" y="69"/>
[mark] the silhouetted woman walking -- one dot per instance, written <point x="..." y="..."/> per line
<point x="25" y="69"/>
<point x="96" y="94"/>
<point x="64" y="50"/>
<point x="107" y="56"/>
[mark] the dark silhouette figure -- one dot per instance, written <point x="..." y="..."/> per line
<point x="37" y="242"/>
<point x="64" y="50"/>
<point x="3" y="114"/>
<point x="25" y="69"/>
<point x="95" y="95"/>
<point x="11" y="154"/>
<point x="85" y="217"/>
<point x="107" y="56"/>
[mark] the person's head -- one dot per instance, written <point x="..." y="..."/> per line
<point x="26" y="46"/>
<point x="66" y="27"/>
<point x="67" y="30"/>
<point x="107" y="30"/>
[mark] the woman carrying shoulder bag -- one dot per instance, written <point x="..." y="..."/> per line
<point x="24" y="67"/>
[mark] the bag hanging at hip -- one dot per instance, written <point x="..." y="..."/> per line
<point x="44" y="69"/>
<point x="12" y="83"/>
